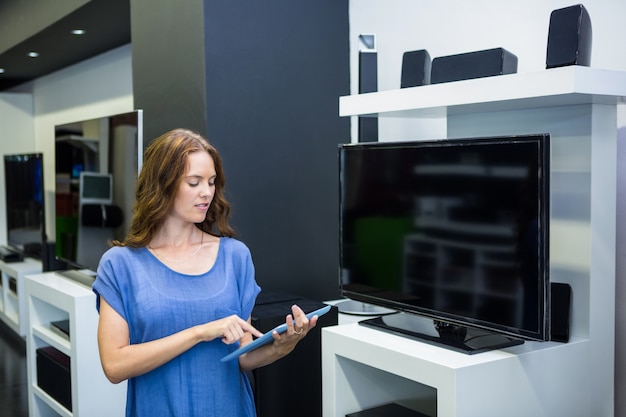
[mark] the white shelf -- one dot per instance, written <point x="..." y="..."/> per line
<point x="441" y="382"/>
<point x="578" y="107"/>
<point x="44" y="398"/>
<point x="51" y="297"/>
<point x="52" y="339"/>
<point x="549" y="88"/>
<point x="13" y="303"/>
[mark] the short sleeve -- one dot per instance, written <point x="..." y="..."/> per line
<point x="248" y="287"/>
<point x="107" y="283"/>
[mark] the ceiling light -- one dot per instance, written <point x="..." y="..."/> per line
<point x="78" y="32"/>
<point x="1" y="70"/>
<point x="33" y="54"/>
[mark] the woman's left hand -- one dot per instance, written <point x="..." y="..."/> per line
<point x="298" y="326"/>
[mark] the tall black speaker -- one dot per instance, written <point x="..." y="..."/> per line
<point x="368" y="72"/>
<point x="292" y="385"/>
<point x="569" y="37"/>
<point x="368" y="83"/>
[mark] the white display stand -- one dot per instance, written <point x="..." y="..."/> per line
<point x="52" y="297"/>
<point x="13" y="301"/>
<point x="364" y="367"/>
<point x="578" y="107"/>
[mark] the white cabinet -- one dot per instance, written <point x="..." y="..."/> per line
<point x="12" y="299"/>
<point x="577" y="106"/>
<point x="363" y="368"/>
<point x="51" y="297"/>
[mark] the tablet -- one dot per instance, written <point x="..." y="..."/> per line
<point x="267" y="337"/>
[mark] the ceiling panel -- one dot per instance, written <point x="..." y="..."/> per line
<point x="106" y="24"/>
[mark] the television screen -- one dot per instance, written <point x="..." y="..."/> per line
<point x="24" y="187"/>
<point x="95" y="188"/>
<point x="455" y="230"/>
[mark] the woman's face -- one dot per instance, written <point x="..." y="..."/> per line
<point x="196" y="189"/>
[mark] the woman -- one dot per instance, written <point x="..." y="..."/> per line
<point x="177" y="294"/>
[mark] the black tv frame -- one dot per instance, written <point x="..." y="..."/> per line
<point x="464" y="334"/>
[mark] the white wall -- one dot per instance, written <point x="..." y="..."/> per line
<point x="100" y="86"/>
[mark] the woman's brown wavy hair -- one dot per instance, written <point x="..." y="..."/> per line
<point x="164" y="165"/>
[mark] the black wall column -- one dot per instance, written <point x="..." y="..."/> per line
<point x="262" y="81"/>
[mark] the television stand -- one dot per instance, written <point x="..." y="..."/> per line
<point x="358" y="308"/>
<point x="459" y="338"/>
<point x="8" y="255"/>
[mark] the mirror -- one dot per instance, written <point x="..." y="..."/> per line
<point x="97" y="162"/>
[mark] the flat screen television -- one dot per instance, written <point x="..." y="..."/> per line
<point x="25" y="213"/>
<point x="453" y="234"/>
<point x="97" y="162"/>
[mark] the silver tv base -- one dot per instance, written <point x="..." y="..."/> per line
<point x="358" y="308"/>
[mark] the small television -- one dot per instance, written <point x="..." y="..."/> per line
<point x="25" y="213"/>
<point x="450" y="234"/>
<point x="97" y="162"/>
<point x="95" y="188"/>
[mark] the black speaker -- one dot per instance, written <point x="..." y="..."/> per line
<point x="478" y="64"/>
<point x="368" y="83"/>
<point x="368" y="72"/>
<point x="560" y="311"/>
<point x="295" y="381"/>
<point x="368" y="129"/>
<point x="569" y="37"/>
<point x="415" y="68"/>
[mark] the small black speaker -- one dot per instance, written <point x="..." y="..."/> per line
<point x="478" y="64"/>
<point x="569" y="37"/>
<point x="560" y="311"/>
<point x="415" y="68"/>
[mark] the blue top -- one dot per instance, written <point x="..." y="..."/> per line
<point x="156" y="302"/>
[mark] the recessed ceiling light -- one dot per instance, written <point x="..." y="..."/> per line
<point x="33" y="54"/>
<point x="78" y="32"/>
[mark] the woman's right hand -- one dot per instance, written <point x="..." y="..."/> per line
<point x="230" y="329"/>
